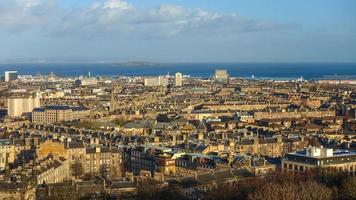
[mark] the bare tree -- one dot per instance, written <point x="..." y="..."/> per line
<point x="292" y="191"/>
<point x="223" y="192"/>
<point x="348" y="189"/>
<point x="312" y="190"/>
<point x="148" y="189"/>
<point x="314" y="141"/>
<point x="275" y="191"/>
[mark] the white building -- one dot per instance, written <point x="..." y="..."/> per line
<point x="87" y="81"/>
<point x="179" y="79"/>
<point x="315" y="157"/>
<point x="10" y="75"/>
<point x="18" y="105"/>
<point x="221" y="76"/>
<point x="156" y="81"/>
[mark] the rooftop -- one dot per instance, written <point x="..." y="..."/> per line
<point x="55" y="107"/>
<point x="315" y="152"/>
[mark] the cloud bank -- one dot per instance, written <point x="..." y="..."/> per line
<point x="120" y="18"/>
<point x="117" y="30"/>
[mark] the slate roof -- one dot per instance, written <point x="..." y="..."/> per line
<point x="75" y="145"/>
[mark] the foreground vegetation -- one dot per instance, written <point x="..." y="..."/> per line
<point x="316" y="185"/>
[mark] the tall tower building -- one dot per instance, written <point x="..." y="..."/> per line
<point x="179" y="79"/>
<point x="221" y="76"/>
<point x="10" y="75"/>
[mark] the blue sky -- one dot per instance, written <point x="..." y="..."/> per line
<point x="178" y="30"/>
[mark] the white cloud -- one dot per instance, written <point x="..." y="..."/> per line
<point x="26" y="4"/>
<point x="23" y="15"/>
<point x="119" y="18"/>
<point x="173" y="11"/>
<point x="117" y="4"/>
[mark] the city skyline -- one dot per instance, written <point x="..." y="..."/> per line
<point x="177" y="99"/>
<point x="177" y="31"/>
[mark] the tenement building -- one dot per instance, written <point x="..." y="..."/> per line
<point x="102" y="160"/>
<point x="314" y="157"/>
<point x="50" y="170"/>
<point x="55" y="114"/>
<point x="7" y="153"/>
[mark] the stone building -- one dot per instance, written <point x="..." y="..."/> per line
<point x="273" y="146"/>
<point x="50" y="170"/>
<point x="103" y="160"/>
<point x="314" y="157"/>
<point x="7" y="153"/>
<point x="55" y="114"/>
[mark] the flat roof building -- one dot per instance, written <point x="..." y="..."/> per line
<point x="156" y="81"/>
<point x="314" y="157"/>
<point x="18" y="105"/>
<point x="221" y="76"/>
<point x="86" y="81"/>
<point x="10" y="75"/>
<point x="55" y="114"/>
<point x="178" y="79"/>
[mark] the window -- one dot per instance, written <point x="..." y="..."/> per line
<point x="301" y="168"/>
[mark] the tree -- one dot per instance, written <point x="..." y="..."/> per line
<point x="77" y="169"/>
<point x="348" y="189"/>
<point x="275" y="191"/>
<point x="247" y="186"/>
<point x="223" y="192"/>
<point x="314" y="141"/>
<point x="58" y="191"/>
<point x="292" y="191"/>
<point x="148" y="189"/>
<point x="315" y="191"/>
<point x="170" y="192"/>
<point x="329" y="177"/>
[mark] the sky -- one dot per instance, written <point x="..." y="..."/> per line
<point x="177" y="30"/>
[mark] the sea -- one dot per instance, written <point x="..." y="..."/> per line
<point x="273" y="71"/>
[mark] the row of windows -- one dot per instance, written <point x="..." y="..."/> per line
<point x="302" y="168"/>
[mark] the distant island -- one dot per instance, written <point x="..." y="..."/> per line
<point x="137" y="63"/>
